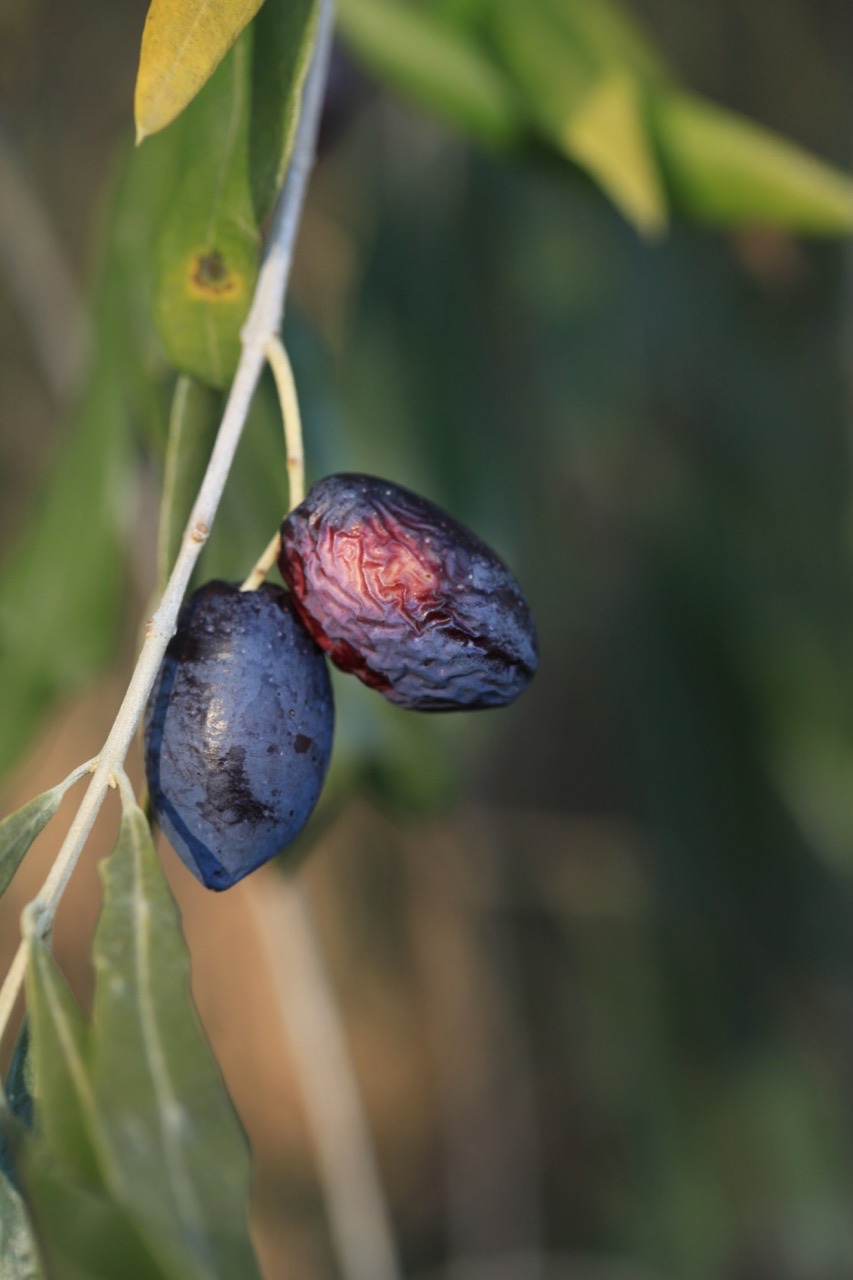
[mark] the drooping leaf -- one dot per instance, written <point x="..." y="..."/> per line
<point x="723" y="168"/>
<point x="432" y="62"/>
<point x="183" y="42"/>
<point x="281" y="53"/>
<point x="18" y="1254"/>
<point x="66" y="1114"/>
<point x="82" y="1233"/>
<point x="175" y="1151"/>
<point x="19" y="830"/>
<point x="209" y="246"/>
<point x="587" y="96"/>
<point x="607" y="136"/>
<point x="192" y="431"/>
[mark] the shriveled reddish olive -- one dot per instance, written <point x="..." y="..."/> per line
<point x="403" y="596"/>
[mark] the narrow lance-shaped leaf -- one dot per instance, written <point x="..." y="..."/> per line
<point x="586" y="94"/>
<point x="177" y="1156"/>
<point x="725" y="169"/>
<point x="19" y="830"/>
<point x="183" y="42"/>
<point x="82" y="1233"/>
<point x="606" y="135"/>
<point x="209" y="245"/>
<point x="66" y="1119"/>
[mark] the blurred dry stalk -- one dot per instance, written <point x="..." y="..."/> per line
<point x="40" y="278"/>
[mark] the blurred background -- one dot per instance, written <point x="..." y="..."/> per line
<point x="595" y="951"/>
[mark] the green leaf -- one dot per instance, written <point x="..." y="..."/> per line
<point x="281" y="52"/>
<point x="585" y="87"/>
<point x="606" y="134"/>
<point x="82" y="1233"/>
<point x="209" y="245"/>
<point x="19" y="830"/>
<point x="193" y="424"/>
<point x="65" y="1108"/>
<point x="175" y="1151"/>
<point x="18" y="1256"/>
<point x="725" y="169"/>
<point x="183" y="42"/>
<point x="434" y="63"/>
<point x="138" y="1166"/>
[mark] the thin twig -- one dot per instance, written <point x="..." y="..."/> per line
<point x="285" y="382"/>
<point x="263" y="321"/>
<point x="282" y="371"/>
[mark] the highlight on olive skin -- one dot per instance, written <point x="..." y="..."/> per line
<point x="405" y="597"/>
<point x="238" y="731"/>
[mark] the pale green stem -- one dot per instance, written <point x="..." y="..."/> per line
<point x="285" y="382"/>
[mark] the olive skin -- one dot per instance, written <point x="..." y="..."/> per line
<point x="238" y="731"/>
<point x="403" y="596"/>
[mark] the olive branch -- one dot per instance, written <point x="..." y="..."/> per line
<point x="356" y="1205"/>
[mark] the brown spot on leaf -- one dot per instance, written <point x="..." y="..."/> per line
<point x="211" y="275"/>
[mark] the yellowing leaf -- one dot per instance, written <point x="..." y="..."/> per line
<point x="607" y="136"/>
<point x="590" y="106"/>
<point x="183" y="43"/>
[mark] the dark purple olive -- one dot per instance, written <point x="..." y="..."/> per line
<point x="238" y="731"/>
<point x="406" y="598"/>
